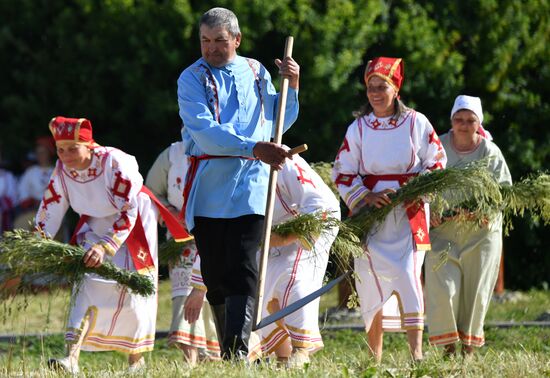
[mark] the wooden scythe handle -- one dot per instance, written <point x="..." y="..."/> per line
<point x="264" y="253"/>
<point x="298" y="149"/>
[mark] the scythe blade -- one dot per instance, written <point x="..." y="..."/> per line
<point x="299" y="303"/>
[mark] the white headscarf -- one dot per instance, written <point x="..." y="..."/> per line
<point x="473" y="104"/>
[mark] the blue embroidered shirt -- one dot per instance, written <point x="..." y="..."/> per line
<point x="225" y="111"/>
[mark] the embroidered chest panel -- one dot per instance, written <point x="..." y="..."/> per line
<point x="96" y="168"/>
<point x="375" y="123"/>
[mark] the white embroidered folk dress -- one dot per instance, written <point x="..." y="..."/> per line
<point x="293" y="271"/>
<point x="108" y="191"/>
<point x="166" y="179"/>
<point x="180" y="274"/>
<point x="392" y="262"/>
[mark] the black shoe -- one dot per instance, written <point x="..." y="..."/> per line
<point x="239" y="310"/>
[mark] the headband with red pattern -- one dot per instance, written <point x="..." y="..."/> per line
<point x="391" y="70"/>
<point x="77" y="130"/>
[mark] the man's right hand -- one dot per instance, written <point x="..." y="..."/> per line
<point x="272" y="154"/>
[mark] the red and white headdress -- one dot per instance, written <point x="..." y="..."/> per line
<point x="75" y="130"/>
<point x="391" y="70"/>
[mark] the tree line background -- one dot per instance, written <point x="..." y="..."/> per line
<point x="116" y="62"/>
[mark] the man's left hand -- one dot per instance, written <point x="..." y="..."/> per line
<point x="289" y="69"/>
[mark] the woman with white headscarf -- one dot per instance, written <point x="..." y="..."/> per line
<point x="459" y="291"/>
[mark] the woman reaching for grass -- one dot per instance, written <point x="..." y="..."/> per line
<point x="118" y="223"/>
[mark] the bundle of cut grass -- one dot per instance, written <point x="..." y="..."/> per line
<point x="447" y="189"/>
<point x="345" y="248"/>
<point x="24" y="253"/>
<point x="309" y="226"/>
<point x="532" y="194"/>
<point x="171" y="250"/>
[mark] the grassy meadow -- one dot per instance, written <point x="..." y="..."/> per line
<point x="512" y="352"/>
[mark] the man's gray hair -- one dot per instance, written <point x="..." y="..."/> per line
<point x="217" y="17"/>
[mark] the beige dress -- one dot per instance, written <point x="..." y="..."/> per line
<point x="458" y="292"/>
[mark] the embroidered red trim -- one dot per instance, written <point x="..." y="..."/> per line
<point x="344" y="179"/>
<point x="50" y="195"/>
<point x="122" y="186"/>
<point x="303" y="180"/>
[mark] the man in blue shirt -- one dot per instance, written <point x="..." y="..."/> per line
<point x="228" y="105"/>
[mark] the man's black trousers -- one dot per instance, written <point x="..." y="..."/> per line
<point x="228" y="249"/>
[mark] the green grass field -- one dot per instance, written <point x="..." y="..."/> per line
<point x="513" y="352"/>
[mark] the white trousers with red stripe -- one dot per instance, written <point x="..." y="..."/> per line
<point x="293" y="273"/>
<point x="391" y="266"/>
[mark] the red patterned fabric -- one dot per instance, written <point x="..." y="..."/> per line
<point x="344" y="147"/>
<point x="437" y="165"/>
<point x="78" y="130"/>
<point x="415" y="213"/>
<point x="139" y="248"/>
<point x="122" y="186"/>
<point x="50" y="195"/>
<point x="435" y="139"/>
<point x="122" y="223"/>
<point x="303" y="179"/>
<point x="344" y="179"/>
<point x="391" y="70"/>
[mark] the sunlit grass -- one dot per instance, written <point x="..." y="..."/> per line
<point x="46" y="312"/>
<point x="513" y="352"/>
<point x="519" y="353"/>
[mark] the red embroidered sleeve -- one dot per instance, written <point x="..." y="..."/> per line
<point x="344" y="179"/>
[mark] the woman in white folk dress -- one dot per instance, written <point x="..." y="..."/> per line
<point x="118" y="223"/>
<point x="197" y="340"/>
<point x="386" y="145"/>
<point x="296" y="266"/>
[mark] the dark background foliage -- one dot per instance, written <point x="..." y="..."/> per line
<point x="116" y="62"/>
